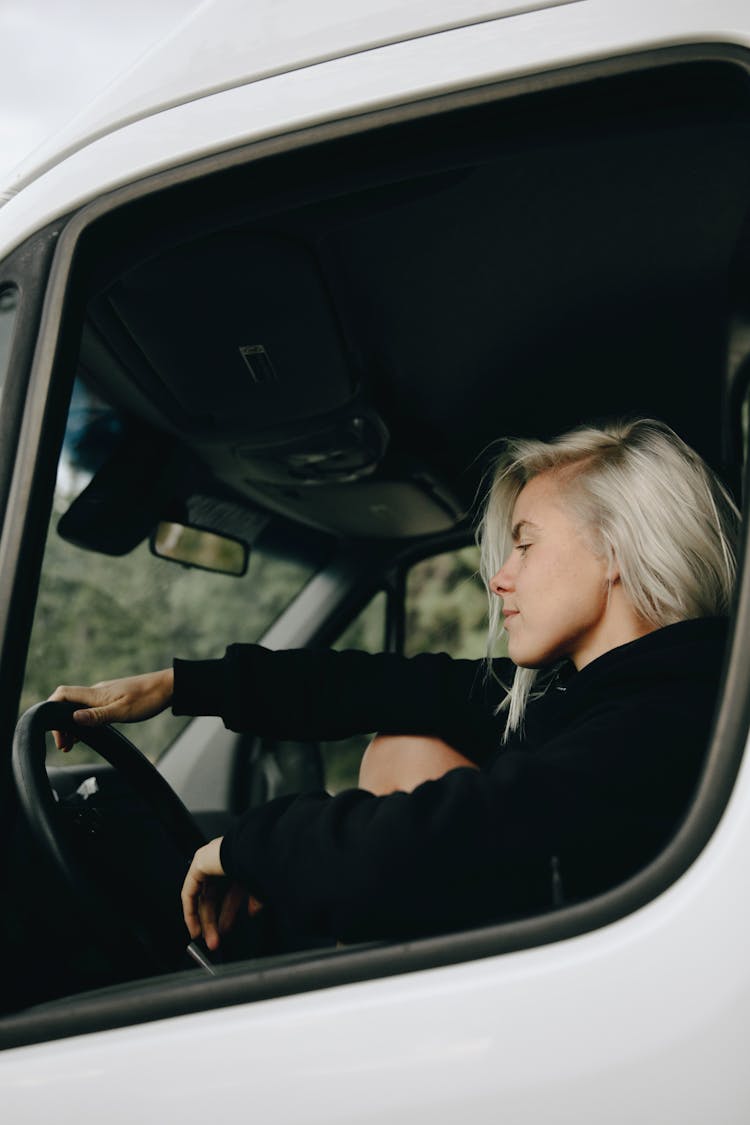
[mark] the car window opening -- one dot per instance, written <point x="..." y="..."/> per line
<point x="378" y="445"/>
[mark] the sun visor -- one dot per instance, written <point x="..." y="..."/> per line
<point x="126" y="496"/>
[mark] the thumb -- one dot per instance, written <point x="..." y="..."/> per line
<point x="93" y="716"/>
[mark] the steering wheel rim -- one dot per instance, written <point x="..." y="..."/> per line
<point x="40" y="809"/>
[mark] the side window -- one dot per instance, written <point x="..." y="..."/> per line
<point x="446" y="611"/>
<point x="367" y="633"/>
<point x="446" y="606"/>
<point x="8" y="306"/>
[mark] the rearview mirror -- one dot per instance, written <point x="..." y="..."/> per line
<point x="193" y="546"/>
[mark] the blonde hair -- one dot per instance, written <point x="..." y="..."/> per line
<point x="646" y="502"/>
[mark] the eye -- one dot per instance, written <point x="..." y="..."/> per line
<point x="523" y="547"/>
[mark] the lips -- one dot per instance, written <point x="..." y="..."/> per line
<point x="508" y="613"/>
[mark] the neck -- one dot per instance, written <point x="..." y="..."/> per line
<point x="620" y="625"/>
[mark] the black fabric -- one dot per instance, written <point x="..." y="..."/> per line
<point x="591" y="790"/>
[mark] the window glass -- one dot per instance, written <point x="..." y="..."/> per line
<point x="99" y="617"/>
<point x="341" y="759"/>
<point x="8" y="306"/>
<point x="367" y="631"/>
<point x="446" y="611"/>
<point x="446" y="606"/>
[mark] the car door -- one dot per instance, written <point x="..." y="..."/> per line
<point x="634" y="1005"/>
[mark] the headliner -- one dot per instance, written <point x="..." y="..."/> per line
<point x="512" y="269"/>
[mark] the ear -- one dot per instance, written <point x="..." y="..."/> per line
<point x="613" y="573"/>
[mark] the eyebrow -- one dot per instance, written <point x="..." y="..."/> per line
<point x="516" y="532"/>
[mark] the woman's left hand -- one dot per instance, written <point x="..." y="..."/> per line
<point x="202" y="892"/>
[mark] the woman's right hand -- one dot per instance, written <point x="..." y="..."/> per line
<point x="128" y="700"/>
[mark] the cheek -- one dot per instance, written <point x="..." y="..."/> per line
<point x="571" y="584"/>
<point x="588" y="585"/>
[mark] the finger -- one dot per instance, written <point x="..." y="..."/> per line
<point x="97" y="716"/>
<point x="74" y="693"/>
<point x="64" y="741"/>
<point x="207" y="915"/>
<point x="230" y="907"/>
<point x="68" y="693"/>
<point x="190" y="892"/>
<point x="206" y="864"/>
<point x="97" y="709"/>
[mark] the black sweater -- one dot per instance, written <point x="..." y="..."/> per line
<point x="591" y="790"/>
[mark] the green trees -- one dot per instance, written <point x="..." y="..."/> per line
<point x="446" y="606"/>
<point x="99" y="617"/>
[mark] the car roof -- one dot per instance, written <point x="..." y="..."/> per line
<point x="223" y="44"/>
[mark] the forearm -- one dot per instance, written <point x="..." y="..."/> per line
<point x="361" y="867"/>
<point x="304" y="694"/>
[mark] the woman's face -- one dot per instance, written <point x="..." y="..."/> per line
<point x="554" y="588"/>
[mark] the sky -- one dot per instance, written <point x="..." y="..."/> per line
<point x="57" y="55"/>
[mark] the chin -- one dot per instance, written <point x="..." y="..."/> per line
<point x="534" y="660"/>
<point x="523" y="660"/>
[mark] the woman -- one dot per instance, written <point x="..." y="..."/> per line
<point x="499" y="789"/>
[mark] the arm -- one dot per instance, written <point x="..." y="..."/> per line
<point x="303" y="694"/>
<point x="475" y="847"/>
<point x="457" y="852"/>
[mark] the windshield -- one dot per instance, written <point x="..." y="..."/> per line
<point x="102" y="616"/>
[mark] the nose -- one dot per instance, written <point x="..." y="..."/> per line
<point x="502" y="582"/>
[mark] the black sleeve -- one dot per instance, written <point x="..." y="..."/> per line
<point x="358" y="867"/>
<point x="307" y="694"/>
<point x="474" y="846"/>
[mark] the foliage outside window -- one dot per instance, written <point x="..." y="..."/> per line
<point x="367" y="631"/>
<point x="446" y="606"/>
<point x="100" y="617"/>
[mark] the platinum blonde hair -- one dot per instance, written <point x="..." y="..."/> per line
<point x="645" y="501"/>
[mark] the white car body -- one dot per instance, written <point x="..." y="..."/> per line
<point x="645" y="1019"/>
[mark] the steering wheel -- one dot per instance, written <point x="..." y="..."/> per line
<point x="134" y="938"/>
